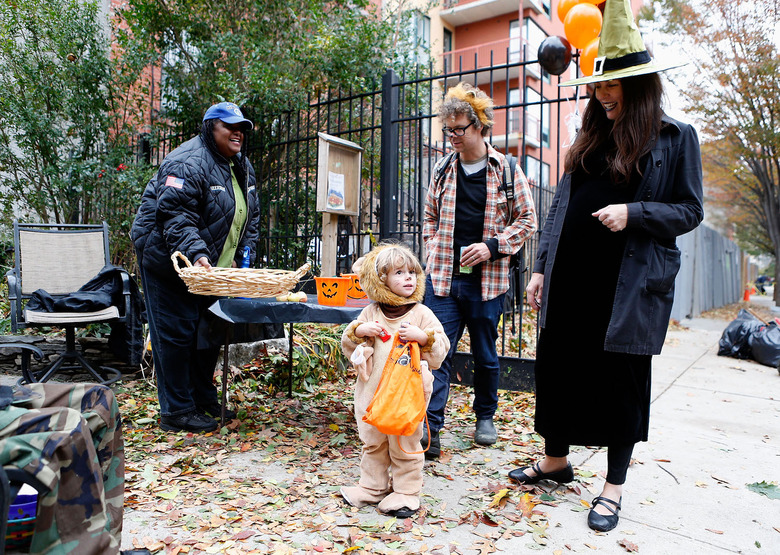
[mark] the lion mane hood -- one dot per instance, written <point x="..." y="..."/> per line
<point x="377" y="291"/>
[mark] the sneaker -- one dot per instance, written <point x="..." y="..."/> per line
<point x="215" y="410"/>
<point x="435" y="449"/>
<point x="188" y="422"/>
<point x="485" y="433"/>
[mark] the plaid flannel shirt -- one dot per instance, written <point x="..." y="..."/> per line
<point x="439" y="224"/>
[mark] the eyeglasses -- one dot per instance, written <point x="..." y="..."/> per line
<point x="455" y="131"/>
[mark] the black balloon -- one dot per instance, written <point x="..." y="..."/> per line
<point x="555" y="55"/>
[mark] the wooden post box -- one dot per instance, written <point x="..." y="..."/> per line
<point x="338" y="191"/>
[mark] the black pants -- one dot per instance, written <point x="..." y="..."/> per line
<point x="185" y="373"/>
<point x="618" y="459"/>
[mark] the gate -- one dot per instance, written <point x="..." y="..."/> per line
<point x="398" y="129"/>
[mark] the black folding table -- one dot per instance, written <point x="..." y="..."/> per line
<point x="267" y="311"/>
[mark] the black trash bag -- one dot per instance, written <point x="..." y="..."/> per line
<point x="765" y="344"/>
<point x="735" y="339"/>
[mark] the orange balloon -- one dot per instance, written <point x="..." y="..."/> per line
<point x="588" y="56"/>
<point x="594" y="2"/>
<point x="582" y="24"/>
<point x="564" y="6"/>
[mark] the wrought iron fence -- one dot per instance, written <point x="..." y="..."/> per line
<point x="398" y="129"/>
<point x="396" y="125"/>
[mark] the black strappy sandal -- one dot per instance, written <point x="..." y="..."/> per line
<point x="604" y="523"/>
<point x="561" y="476"/>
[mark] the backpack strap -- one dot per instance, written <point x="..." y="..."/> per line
<point x="509" y="178"/>
<point x="441" y="167"/>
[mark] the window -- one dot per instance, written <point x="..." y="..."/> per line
<point x="421" y="36"/>
<point x="514" y="101"/>
<point x="538" y="173"/>
<point x="515" y="43"/>
<point x="534" y="36"/>
<point x="537" y="117"/>
<point x="447" y="47"/>
<point x="547" y="8"/>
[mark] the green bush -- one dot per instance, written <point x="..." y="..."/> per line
<point x="317" y="357"/>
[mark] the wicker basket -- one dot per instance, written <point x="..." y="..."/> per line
<point x="237" y="282"/>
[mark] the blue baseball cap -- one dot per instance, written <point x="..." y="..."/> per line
<point x="227" y="112"/>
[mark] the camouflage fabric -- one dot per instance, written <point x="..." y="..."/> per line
<point x="69" y="436"/>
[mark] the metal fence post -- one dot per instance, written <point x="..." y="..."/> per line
<point x="388" y="162"/>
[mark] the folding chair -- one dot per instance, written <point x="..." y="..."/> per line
<point x="60" y="259"/>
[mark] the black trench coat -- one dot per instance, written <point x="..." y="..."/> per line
<point x="668" y="204"/>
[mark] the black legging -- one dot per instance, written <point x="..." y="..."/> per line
<point x="618" y="459"/>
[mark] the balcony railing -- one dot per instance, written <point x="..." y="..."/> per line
<point x="508" y="128"/>
<point x="463" y="12"/>
<point x="486" y="54"/>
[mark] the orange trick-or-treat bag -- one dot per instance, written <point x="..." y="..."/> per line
<point x="398" y="406"/>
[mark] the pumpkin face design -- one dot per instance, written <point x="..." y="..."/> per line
<point x="332" y="291"/>
<point x="330" y="288"/>
<point x="354" y="291"/>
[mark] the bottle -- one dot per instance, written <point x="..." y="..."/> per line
<point x="464" y="269"/>
<point x="245" y="258"/>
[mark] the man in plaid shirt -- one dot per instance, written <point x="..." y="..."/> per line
<point x="471" y="226"/>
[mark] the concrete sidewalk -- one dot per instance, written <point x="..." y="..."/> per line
<point x="714" y="427"/>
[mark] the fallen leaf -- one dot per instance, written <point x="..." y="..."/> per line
<point x="714" y="531"/>
<point x="498" y="497"/>
<point x="769" y="489"/>
<point x="526" y="505"/>
<point x="484" y="547"/>
<point x="169" y="494"/>
<point x="628" y="546"/>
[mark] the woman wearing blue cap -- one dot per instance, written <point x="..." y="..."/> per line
<point x="203" y="203"/>
<point x="608" y="256"/>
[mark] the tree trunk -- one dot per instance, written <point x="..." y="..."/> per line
<point x="776" y="284"/>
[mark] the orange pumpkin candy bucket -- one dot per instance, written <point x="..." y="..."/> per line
<point x="332" y="291"/>
<point x="355" y="292"/>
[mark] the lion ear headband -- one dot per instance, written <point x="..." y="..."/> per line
<point x="478" y="104"/>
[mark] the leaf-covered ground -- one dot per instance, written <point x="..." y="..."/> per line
<point x="730" y="311"/>
<point x="269" y="482"/>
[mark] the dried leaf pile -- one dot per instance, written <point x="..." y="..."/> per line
<point x="269" y="481"/>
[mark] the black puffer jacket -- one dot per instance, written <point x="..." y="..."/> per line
<point x="188" y="206"/>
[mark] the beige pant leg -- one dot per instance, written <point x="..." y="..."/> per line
<point x="375" y="463"/>
<point x="407" y="472"/>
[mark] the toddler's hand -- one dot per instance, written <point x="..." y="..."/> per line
<point x="410" y="332"/>
<point x="369" y="329"/>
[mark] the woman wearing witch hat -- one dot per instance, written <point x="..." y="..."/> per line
<point x="633" y="183"/>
